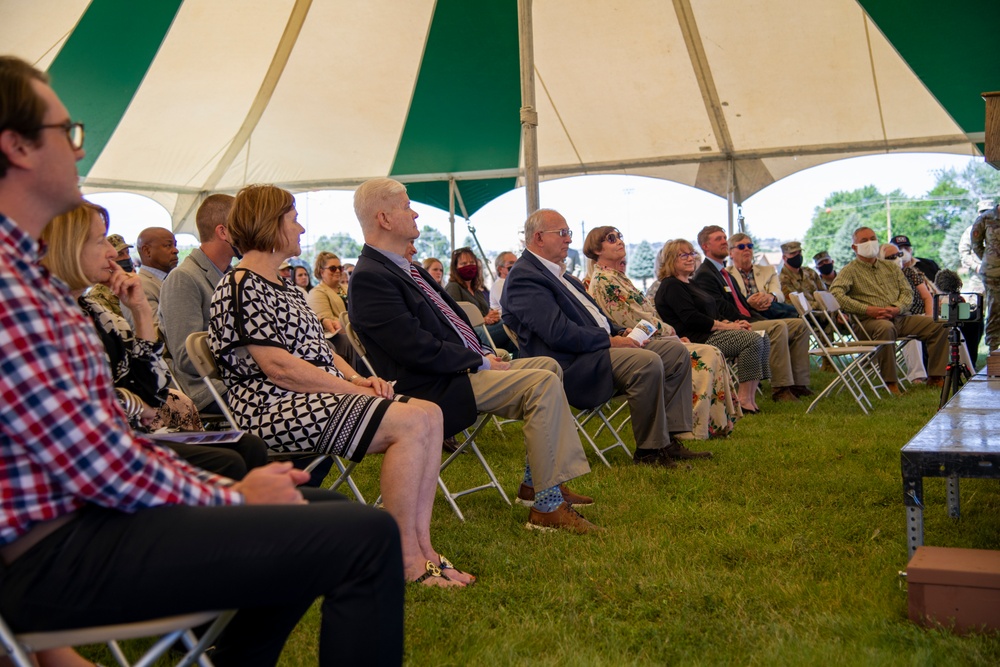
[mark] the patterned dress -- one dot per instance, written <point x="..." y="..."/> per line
<point x="137" y="366"/>
<point x="715" y="407"/>
<point x="248" y="309"/>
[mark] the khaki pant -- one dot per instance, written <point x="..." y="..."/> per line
<point x="532" y="390"/>
<point x="789" y="357"/>
<point x="933" y="335"/>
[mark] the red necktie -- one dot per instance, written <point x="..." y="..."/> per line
<point x="464" y="330"/>
<point x="732" y="291"/>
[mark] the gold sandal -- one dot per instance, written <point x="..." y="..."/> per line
<point x="447" y="565"/>
<point x="431" y="570"/>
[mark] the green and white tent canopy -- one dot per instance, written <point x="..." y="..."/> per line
<point x="185" y="97"/>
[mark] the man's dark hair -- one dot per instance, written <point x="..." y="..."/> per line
<point x="21" y="109"/>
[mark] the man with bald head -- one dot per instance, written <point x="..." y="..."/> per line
<point x="157" y="248"/>
<point x="553" y="316"/>
<point x="186" y="295"/>
<point x="879" y="294"/>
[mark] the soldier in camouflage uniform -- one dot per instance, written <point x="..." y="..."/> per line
<point x="795" y="277"/>
<point x="986" y="245"/>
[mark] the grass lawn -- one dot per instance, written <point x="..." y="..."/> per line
<point x="783" y="549"/>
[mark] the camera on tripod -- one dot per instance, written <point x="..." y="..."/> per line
<point x="957" y="308"/>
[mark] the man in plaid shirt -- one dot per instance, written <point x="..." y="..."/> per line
<point x="100" y="526"/>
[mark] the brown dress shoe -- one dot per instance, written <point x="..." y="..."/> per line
<point x="526" y="496"/>
<point x="935" y="381"/>
<point x="801" y="390"/>
<point x="784" y="395"/>
<point x="893" y="388"/>
<point x="564" y="517"/>
<point x="676" y="450"/>
<point x="653" y="457"/>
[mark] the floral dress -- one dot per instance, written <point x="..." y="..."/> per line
<point x="715" y="406"/>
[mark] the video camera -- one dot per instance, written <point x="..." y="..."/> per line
<point x="957" y="308"/>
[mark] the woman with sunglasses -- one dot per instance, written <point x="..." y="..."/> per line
<point x="694" y="315"/>
<point x="326" y="299"/>
<point x="923" y="302"/>
<point x="715" y="411"/>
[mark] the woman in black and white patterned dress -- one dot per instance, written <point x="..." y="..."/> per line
<point x="287" y="386"/>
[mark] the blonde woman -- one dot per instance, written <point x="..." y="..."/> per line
<point x="715" y="411"/>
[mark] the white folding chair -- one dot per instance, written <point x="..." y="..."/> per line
<point x="847" y="361"/>
<point x="18" y="647"/>
<point x="200" y="353"/>
<point x="469" y="434"/>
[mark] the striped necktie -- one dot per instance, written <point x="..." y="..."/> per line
<point x="464" y="330"/>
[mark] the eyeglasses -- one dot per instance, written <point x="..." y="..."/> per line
<point x="561" y="232"/>
<point x="687" y="255"/>
<point x="74" y="132"/>
<point x="896" y="256"/>
<point x="614" y="237"/>
<point x="744" y="246"/>
<point x="334" y="269"/>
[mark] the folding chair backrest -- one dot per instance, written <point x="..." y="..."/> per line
<point x="352" y="336"/>
<point x="838" y="321"/>
<point x="512" y="336"/>
<point x="200" y="353"/>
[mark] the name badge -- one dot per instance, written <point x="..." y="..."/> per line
<point x="726" y="287"/>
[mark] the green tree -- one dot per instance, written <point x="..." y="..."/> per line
<point x="825" y="232"/>
<point x="341" y="244"/>
<point x="641" y="262"/>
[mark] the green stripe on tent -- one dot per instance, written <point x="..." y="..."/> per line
<point x="480" y="191"/>
<point x="950" y="46"/>
<point x="100" y="67"/>
<point x="468" y="94"/>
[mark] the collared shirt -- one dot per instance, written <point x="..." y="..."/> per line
<point x="64" y="439"/>
<point x="156" y="273"/>
<point x="404" y="264"/>
<point x="559" y="272"/>
<point x="880" y="285"/>
<point x="749" y="282"/>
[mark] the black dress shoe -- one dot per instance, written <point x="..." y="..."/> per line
<point x="748" y="411"/>
<point x="653" y="457"/>
<point x="801" y="390"/>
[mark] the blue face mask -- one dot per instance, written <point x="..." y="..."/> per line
<point x="126" y="265"/>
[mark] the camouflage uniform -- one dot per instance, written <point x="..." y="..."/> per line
<point x="986" y="245"/>
<point x="104" y="296"/>
<point x="806" y="281"/>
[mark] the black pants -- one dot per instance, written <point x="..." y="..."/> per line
<point x="270" y="562"/>
<point x="231" y="460"/>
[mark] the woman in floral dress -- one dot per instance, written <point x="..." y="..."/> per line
<point x="715" y="410"/>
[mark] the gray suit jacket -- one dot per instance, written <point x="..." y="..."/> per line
<point x="185" y="299"/>
<point x="151" y="288"/>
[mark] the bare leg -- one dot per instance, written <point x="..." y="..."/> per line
<point x="748" y="394"/>
<point x="61" y="657"/>
<point x="410" y="435"/>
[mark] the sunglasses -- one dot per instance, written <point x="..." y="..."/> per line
<point x="334" y="269"/>
<point x="744" y="246"/>
<point x="896" y="256"/>
<point x="614" y="237"/>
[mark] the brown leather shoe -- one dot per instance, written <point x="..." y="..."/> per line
<point x="801" y="390"/>
<point x="653" y="457"/>
<point x="784" y="395"/>
<point x="677" y="450"/>
<point x="935" y="381"/>
<point x="450" y="445"/>
<point x="564" y="517"/>
<point x="526" y="496"/>
<point x="893" y="388"/>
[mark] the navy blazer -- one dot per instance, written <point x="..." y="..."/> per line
<point x="409" y="339"/>
<point x="709" y="280"/>
<point x="551" y="322"/>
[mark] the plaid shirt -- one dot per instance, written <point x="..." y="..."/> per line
<point x="64" y="439"/>
<point x="881" y="285"/>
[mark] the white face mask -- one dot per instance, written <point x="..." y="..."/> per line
<point x="867" y="249"/>
<point x="899" y="262"/>
<point x="907" y="256"/>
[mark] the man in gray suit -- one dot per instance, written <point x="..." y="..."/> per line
<point x="186" y="294"/>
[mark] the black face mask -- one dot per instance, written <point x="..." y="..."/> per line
<point x="826" y="269"/>
<point x="795" y="262"/>
<point x="126" y="265"/>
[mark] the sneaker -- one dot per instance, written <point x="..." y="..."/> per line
<point x="678" y="451"/>
<point x="526" y="496"/>
<point x="563" y="516"/>
<point x="653" y="457"/>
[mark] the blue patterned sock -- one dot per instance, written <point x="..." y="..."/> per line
<point x="549" y="499"/>
<point x="527" y="475"/>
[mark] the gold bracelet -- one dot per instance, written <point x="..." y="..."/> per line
<point x="353" y="378"/>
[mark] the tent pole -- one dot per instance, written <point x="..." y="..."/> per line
<point x="529" y="116"/>
<point x="451" y="210"/>
<point x="730" y="196"/>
